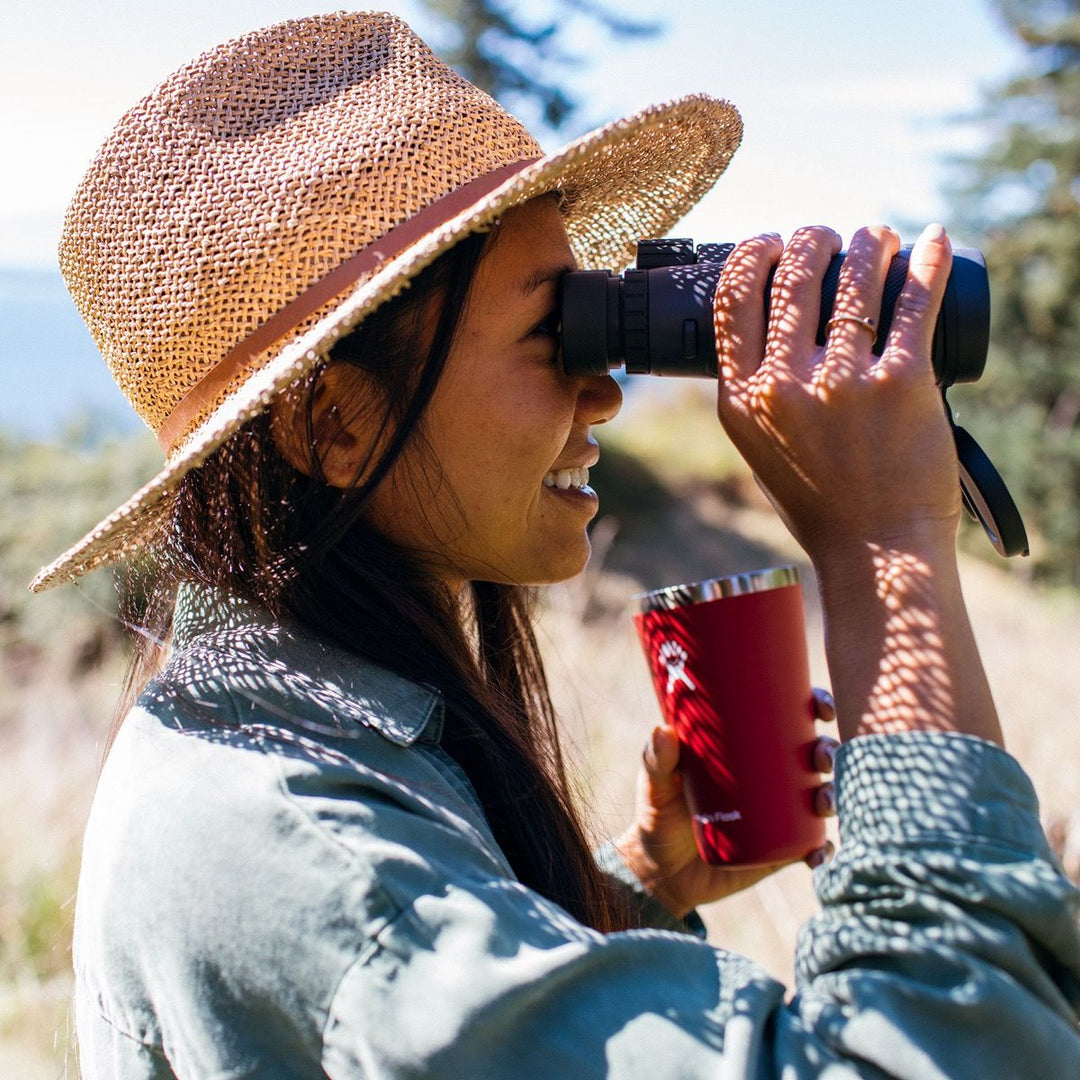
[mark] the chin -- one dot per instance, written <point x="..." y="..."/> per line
<point x="554" y="563"/>
<point x="569" y="565"/>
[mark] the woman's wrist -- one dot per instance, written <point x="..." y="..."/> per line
<point x="901" y="651"/>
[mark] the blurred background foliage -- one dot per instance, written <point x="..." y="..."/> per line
<point x="1021" y="198"/>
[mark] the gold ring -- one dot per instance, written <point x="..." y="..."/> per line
<point x="859" y="320"/>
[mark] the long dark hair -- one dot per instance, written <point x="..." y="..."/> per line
<point x="253" y="523"/>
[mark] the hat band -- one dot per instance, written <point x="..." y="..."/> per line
<point x="297" y="311"/>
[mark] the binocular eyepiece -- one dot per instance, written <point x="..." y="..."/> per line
<point x="657" y="319"/>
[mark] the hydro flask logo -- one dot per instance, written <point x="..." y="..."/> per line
<point x="673" y="657"/>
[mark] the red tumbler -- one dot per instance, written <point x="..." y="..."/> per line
<point x="729" y="664"/>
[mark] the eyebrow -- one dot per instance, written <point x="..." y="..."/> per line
<point x="542" y="276"/>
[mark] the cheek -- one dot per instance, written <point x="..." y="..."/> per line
<point x="513" y="428"/>
<point x="501" y="481"/>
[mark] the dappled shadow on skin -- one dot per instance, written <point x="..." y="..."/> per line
<point x="663" y="537"/>
<point x="912" y="685"/>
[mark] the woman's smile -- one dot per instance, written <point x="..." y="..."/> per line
<point x="572" y="486"/>
<point x="571" y="478"/>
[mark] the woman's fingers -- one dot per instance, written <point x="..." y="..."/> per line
<point x="661" y="760"/>
<point x="795" y="299"/>
<point x="824" y="705"/>
<point x="825" y="800"/>
<point x="915" y="315"/>
<point x="820" y="855"/>
<point x="823" y="754"/>
<point x="739" y="306"/>
<point x="747" y="339"/>
<point x="853" y="325"/>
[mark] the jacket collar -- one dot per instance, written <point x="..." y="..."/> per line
<point x="222" y="642"/>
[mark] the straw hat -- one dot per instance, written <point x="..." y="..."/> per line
<point x="264" y="199"/>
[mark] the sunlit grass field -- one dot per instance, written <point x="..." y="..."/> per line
<point x="676" y="505"/>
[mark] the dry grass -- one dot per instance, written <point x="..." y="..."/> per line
<point x="52" y="724"/>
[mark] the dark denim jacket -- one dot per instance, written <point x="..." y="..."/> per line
<point x="285" y="876"/>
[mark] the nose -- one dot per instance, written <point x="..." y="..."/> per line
<point x="600" y="399"/>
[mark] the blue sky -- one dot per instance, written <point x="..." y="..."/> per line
<point x="843" y="100"/>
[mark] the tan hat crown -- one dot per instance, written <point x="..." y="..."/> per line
<point x="224" y="238"/>
<point x="250" y="174"/>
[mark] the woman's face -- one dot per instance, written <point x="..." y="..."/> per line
<point x="499" y="492"/>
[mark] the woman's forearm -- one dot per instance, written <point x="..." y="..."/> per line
<point x="900" y="647"/>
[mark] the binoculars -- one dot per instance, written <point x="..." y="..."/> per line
<point x="657" y="319"/>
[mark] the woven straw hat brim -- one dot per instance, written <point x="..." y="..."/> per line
<point x="632" y="178"/>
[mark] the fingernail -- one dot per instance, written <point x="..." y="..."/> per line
<point x="827" y="801"/>
<point x="830" y="752"/>
<point x="827" y="699"/>
<point x="652" y="748"/>
<point x="934" y="233"/>
<point x="822" y="855"/>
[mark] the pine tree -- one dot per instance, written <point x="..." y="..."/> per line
<point x="1021" y="196"/>
<point x="516" y="54"/>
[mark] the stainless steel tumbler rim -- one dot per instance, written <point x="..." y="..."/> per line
<point x="698" y="592"/>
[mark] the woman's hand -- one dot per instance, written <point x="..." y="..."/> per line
<point x="856" y="454"/>
<point x="659" y="846"/>
<point x="851" y="448"/>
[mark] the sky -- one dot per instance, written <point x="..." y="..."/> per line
<point x="844" y="101"/>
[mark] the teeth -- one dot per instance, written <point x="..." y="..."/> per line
<point x="564" y="479"/>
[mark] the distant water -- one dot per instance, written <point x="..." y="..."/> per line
<point x="51" y="373"/>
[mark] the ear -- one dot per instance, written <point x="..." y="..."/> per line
<point x="341" y="433"/>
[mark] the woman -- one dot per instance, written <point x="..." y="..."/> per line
<point x="333" y="836"/>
